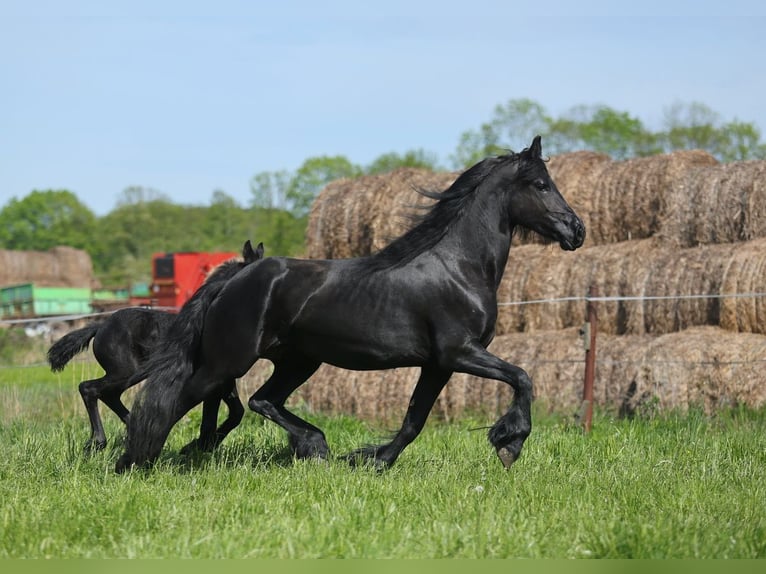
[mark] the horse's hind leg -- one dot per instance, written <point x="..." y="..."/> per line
<point x="429" y="385"/>
<point x="90" y="391"/>
<point x="210" y="436"/>
<point x="306" y="440"/>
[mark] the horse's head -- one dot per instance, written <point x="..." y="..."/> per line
<point x="535" y="203"/>
<point x="230" y="268"/>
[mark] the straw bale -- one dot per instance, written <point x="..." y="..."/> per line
<point x="633" y="196"/>
<point x="702" y="366"/>
<point x="745" y="273"/>
<point x="718" y="204"/>
<point x="58" y="267"/>
<point x="354" y="217"/>
<point x="642" y="269"/>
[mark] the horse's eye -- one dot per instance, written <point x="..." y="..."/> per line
<point x="541" y="185"/>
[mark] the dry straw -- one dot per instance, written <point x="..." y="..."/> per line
<point x="719" y="204"/>
<point x="57" y="267"/>
<point x="702" y="366"/>
<point x="353" y="217"/>
<point x="665" y="281"/>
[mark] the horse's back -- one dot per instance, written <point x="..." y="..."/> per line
<point x="128" y="335"/>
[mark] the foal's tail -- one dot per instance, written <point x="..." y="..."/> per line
<point x="159" y="404"/>
<point x="71" y="344"/>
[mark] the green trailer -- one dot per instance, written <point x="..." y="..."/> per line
<point x="30" y="300"/>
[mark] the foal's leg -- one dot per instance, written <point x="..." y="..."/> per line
<point x="511" y="430"/>
<point x="210" y="436"/>
<point x="429" y="385"/>
<point x="90" y="391"/>
<point x="306" y="440"/>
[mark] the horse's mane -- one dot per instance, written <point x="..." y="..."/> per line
<point x="433" y="225"/>
<point x="224" y="271"/>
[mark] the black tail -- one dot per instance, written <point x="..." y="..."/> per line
<point x="168" y="369"/>
<point x="77" y="341"/>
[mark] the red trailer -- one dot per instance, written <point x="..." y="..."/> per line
<point x="176" y="276"/>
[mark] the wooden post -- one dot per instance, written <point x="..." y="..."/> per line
<point x="589" y="334"/>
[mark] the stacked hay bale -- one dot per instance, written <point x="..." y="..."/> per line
<point x="657" y="227"/>
<point x="58" y="267"/>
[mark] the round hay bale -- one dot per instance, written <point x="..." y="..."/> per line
<point x="58" y="267"/>
<point x="633" y="196"/>
<point x="745" y="272"/>
<point x="718" y="204"/>
<point x="355" y="217"/>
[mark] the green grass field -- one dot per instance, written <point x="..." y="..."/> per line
<point x="675" y="486"/>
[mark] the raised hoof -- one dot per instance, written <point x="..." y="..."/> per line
<point x="506" y="457"/>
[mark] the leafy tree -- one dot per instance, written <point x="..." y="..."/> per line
<point x="44" y="219"/>
<point x="413" y="158"/>
<point x="512" y="126"/>
<point x="312" y="176"/>
<point x="601" y="129"/>
<point x="696" y="126"/>
<point x="269" y="188"/>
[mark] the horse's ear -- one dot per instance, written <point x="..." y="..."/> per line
<point x="536" y="149"/>
<point x="247" y="252"/>
<point x="259" y="251"/>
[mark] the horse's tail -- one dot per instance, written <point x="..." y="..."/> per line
<point x="167" y="370"/>
<point x="77" y="341"/>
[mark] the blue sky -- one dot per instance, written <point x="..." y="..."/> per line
<point x="189" y="97"/>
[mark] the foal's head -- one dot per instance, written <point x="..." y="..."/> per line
<point x="228" y="269"/>
<point x="533" y="200"/>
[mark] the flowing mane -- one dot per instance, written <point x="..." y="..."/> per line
<point x="431" y="227"/>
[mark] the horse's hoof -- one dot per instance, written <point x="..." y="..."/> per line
<point x="91" y="446"/>
<point x="506" y="457"/>
<point x="123" y="464"/>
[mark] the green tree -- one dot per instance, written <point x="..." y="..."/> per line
<point x="412" y="158"/>
<point x="44" y="219"/>
<point x="512" y="126"/>
<point x="312" y="176"/>
<point x="601" y="129"/>
<point x="269" y="189"/>
<point x="696" y="126"/>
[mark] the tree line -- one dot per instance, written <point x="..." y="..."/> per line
<point x="146" y="221"/>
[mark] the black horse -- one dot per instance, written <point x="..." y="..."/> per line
<point x="428" y="299"/>
<point x="122" y="344"/>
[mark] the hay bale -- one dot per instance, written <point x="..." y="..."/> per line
<point x="632" y="197"/>
<point x="745" y="272"/>
<point x="641" y="269"/>
<point x="702" y="366"/>
<point x="58" y="267"/>
<point x="354" y="217"/>
<point x="718" y="204"/>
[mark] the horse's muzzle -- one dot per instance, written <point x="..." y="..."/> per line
<point x="575" y="235"/>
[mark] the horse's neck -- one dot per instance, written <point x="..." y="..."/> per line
<point x="483" y="240"/>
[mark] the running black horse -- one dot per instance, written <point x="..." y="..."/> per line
<point x="428" y="299"/>
<point x="122" y="343"/>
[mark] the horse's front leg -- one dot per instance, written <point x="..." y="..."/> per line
<point x="508" y="434"/>
<point x="210" y="436"/>
<point x="427" y="389"/>
<point x="306" y="440"/>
